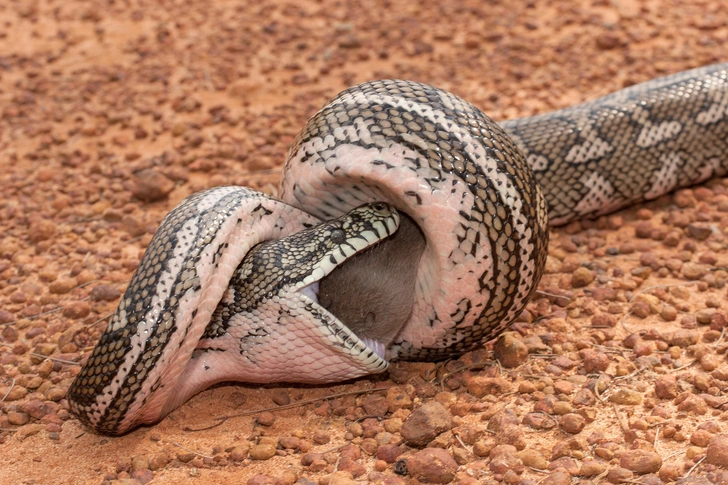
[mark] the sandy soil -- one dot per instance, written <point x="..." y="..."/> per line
<point x="96" y="94"/>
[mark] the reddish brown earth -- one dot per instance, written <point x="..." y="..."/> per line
<point x="113" y="111"/>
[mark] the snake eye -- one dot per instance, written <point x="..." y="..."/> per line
<point x="338" y="236"/>
<point x="379" y="206"/>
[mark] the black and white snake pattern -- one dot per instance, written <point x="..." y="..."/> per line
<point x="208" y="303"/>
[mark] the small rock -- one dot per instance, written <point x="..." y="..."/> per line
<point x="389" y="453"/>
<point x="666" y="387"/>
<point x="627" y="397"/>
<point x="432" y="465"/>
<point x="694" y="271"/>
<point x="239" y="452"/>
<point x="266" y="418"/>
<point x="717" y="451"/>
<point x="581" y="277"/>
<point x="699" y="230"/>
<point x="426" y="423"/>
<point x="321" y="437"/>
<point x="342" y="478"/>
<point x="281" y="397"/>
<point x="701" y="438"/>
<point x="143" y="476"/>
<point x="41" y="231"/>
<point x="607" y="40"/>
<point x="594" y="361"/>
<point x="185" y="456"/>
<point x="348" y="465"/>
<point x="592" y="468"/>
<point x="690" y="403"/>
<point x="262" y="452"/>
<point x="151" y="185"/>
<point x="158" y="461"/>
<point x="572" y="423"/>
<point x="557" y="477"/>
<point x="139" y="462"/>
<point x="619" y="475"/>
<point x="510" y="351"/>
<point x="104" y="293"/>
<point x="76" y="310"/>
<point x="62" y="286"/>
<point x="398" y="399"/>
<point x="375" y="405"/>
<point x="260" y="479"/>
<point x="533" y="459"/>
<point x="17" y="418"/>
<point x="641" y="461"/>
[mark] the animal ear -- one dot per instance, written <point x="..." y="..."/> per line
<point x="370" y="318"/>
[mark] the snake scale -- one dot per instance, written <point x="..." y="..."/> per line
<point x="228" y="287"/>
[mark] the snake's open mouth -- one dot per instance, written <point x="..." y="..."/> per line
<point x="371" y="291"/>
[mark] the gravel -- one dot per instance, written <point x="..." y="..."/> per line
<point x="113" y="113"/>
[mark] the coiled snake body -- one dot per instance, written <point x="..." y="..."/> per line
<point x="228" y="288"/>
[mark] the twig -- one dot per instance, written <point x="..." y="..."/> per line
<point x="694" y="467"/>
<point x="463" y="368"/>
<point x="99" y="320"/>
<point x="684" y="366"/>
<point x="56" y="359"/>
<point x="191" y="451"/>
<point x="222" y="419"/>
<point x="12" y="385"/>
<point x="457" y="436"/>
<point x="620" y="417"/>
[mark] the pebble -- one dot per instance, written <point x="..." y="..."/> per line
<point x="158" y="461"/>
<point x="151" y="185"/>
<point x="375" y="405"/>
<point x="260" y="479"/>
<point x="581" y="277"/>
<point x="699" y="230"/>
<point x="263" y="451"/>
<point x="42" y="231"/>
<point x="694" y="271"/>
<point x="594" y="361"/>
<point x="619" y="475"/>
<point x="139" y="462"/>
<point x="691" y="403"/>
<point x="143" y="476"/>
<point x="281" y="397"/>
<point x="510" y="351"/>
<point x="397" y="399"/>
<point x="572" y="423"/>
<point x="342" y="478"/>
<point x="104" y="293"/>
<point x="62" y="286"/>
<point x="266" y="418"/>
<point x="557" y="477"/>
<point x="666" y="387"/>
<point x="533" y="458"/>
<point x="426" y="423"/>
<point x="17" y="418"/>
<point x="389" y="453"/>
<point x="186" y="456"/>
<point x="592" y="468"/>
<point x="627" y="397"/>
<point x="641" y="461"/>
<point x="717" y="451"/>
<point x="432" y="465"/>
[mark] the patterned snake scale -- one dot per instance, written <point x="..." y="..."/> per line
<point x="208" y="303"/>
